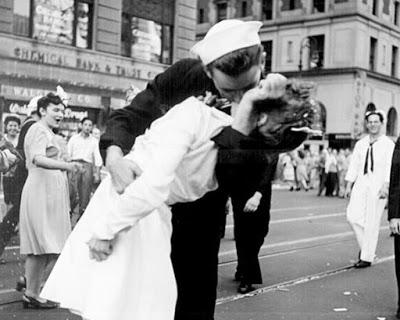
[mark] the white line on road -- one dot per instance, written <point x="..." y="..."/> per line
<point x="276" y="254"/>
<point x="4" y="291"/>
<point x="12" y="248"/>
<point x="304" y="240"/>
<point x="293" y="282"/>
<point x="311" y="216"/>
<point x="299" y="208"/>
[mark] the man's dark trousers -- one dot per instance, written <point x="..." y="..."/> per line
<point x="196" y="237"/>
<point x="397" y="263"/>
<point x="8" y="225"/>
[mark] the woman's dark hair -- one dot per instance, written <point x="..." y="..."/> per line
<point x="44" y="102"/>
<point x="12" y="119"/>
<point x="237" y="62"/>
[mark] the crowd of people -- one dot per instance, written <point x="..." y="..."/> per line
<point x="173" y="159"/>
<point x="322" y="170"/>
<point x="38" y="193"/>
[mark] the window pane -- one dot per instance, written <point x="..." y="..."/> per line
<point x="268" y="55"/>
<point x="222" y="9"/>
<point x="146" y="39"/>
<point x="21" y="17"/>
<point x="53" y="21"/>
<point x="125" y="35"/>
<point x="83" y="24"/>
<point x="267" y="9"/>
<point x="167" y="45"/>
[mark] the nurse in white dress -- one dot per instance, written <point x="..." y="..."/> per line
<point x="369" y="171"/>
<point x="136" y="281"/>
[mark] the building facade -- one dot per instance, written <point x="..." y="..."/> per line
<point x="94" y="49"/>
<point x="350" y="48"/>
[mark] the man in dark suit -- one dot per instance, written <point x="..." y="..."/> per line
<point x="249" y="185"/>
<point x="228" y="69"/>
<point x="394" y="212"/>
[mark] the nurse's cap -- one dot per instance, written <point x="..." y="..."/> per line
<point x="227" y="36"/>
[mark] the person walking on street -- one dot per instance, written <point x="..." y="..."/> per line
<point x="250" y="192"/>
<point x="10" y="221"/>
<point x="367" y="186"/>
<point x="301" y="170"/>
<point x="394" y="214"/>
<point x="323" y="154"/>
<point x="331" y="172"/>
<point x="84" y="149"/>
<point x="12" y="126"/>
<point x="288" y="171"/>
<point x="44" y="209"/>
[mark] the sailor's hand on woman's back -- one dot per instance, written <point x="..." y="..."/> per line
<point x="123" y="171"/>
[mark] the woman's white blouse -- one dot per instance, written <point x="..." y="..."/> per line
<point x="178" y="161"/>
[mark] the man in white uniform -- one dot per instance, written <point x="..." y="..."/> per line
<point x="367" y="186"/>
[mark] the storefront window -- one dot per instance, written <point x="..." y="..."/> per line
<point x="146" y="39"/>
<point x="63" y="21"/>
<point x="167" y="44"/>
<point x="125" y="35"/>
<point x="21" y="14"/>
<point x="83" y="25"/>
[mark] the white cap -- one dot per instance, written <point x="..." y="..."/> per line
<point x="377" y="112"/>
<point x="227" y="36"/>
<point x="63" y="95"/>
<point x="32" y="105"/>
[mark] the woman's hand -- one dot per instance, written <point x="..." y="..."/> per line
<point x="12" y="158"/>
<point x="74" y="167"/>
<point x="100" y="250"/>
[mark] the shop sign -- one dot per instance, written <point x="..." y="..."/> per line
<point x="70" y="114"/>
<point x="339" y="136"/>
<point x="21" y="108"/>
<point x="22" y="93"/>
<point x="85" y="62"/>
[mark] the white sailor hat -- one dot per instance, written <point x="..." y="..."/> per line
<point x="377" y="112"/>
<point x="227" y="36"/>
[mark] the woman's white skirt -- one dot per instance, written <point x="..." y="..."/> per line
<point x="135" y="282"/>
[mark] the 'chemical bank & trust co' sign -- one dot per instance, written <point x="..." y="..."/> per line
<point x="85" y="61"/>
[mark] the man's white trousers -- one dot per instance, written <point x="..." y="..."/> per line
<point x="364" y="214"/>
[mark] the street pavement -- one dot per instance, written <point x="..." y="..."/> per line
<point x="306" y="264"/>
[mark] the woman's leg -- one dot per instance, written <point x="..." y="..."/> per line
<point x="34" y="268"/>
<point x="51" y="260"/>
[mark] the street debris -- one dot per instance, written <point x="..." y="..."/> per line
<point x="340" y="309"/>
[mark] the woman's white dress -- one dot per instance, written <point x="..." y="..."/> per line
<point x="137" y="281"/>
